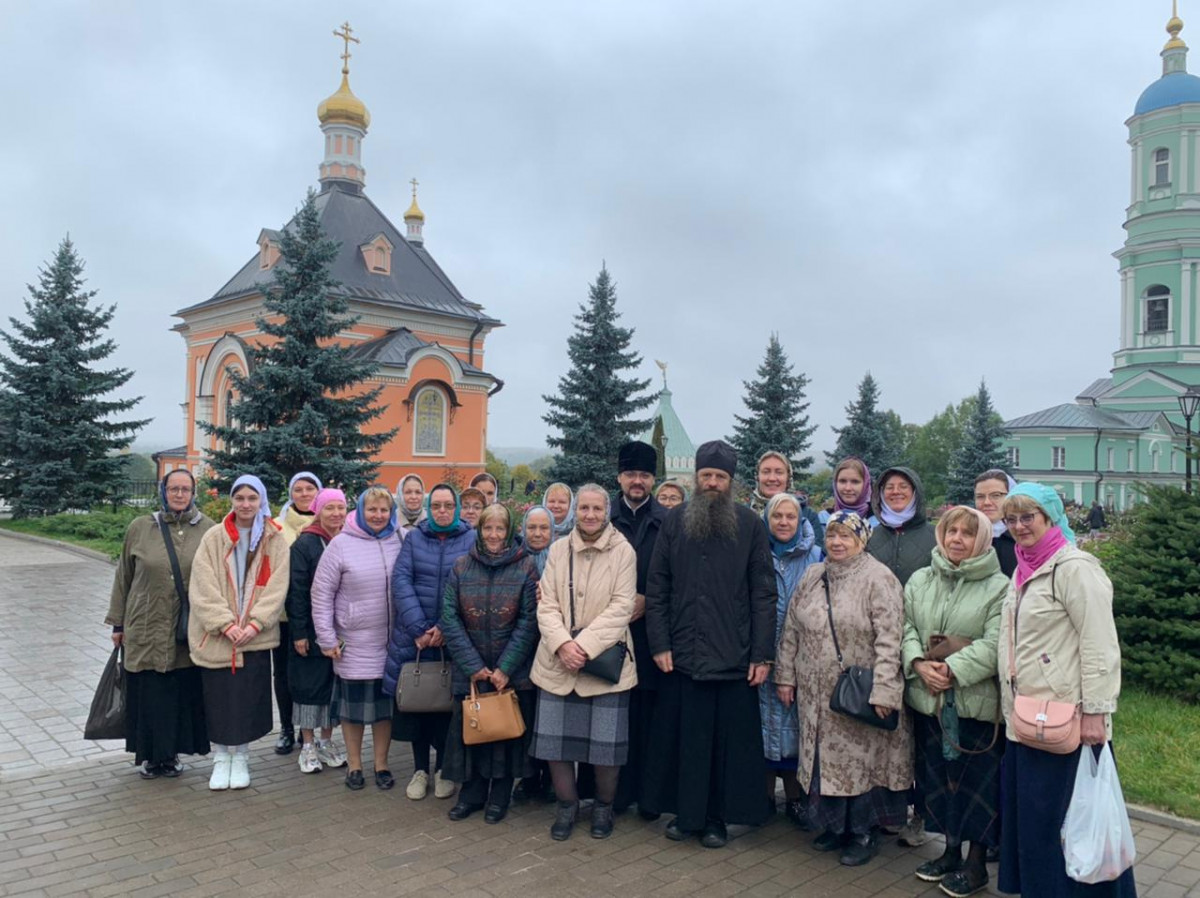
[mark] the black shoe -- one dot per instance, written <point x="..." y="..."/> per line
<point x="564" y="820"/>
<point x="495" y="813"/>
<point x="795" y="811"/>
<point x="602" y="820"/>
<point x="715" y="835"/>
<point x="171" y="768"/>
<point x="648" y="816"/>
<point x="463" y="809"/>
<point x="384" y="779"/>
<point x="860" y="849"/>
<point x="675" y="834"/>
<point x="524" y="792"/>
<point x="937" y="869"/>
<point x="354" y="780"/>
<point x="149" y="771"/>
<point x="285" y="743"/>
<point x="993" y="856"/>
<point x="964" y="882"/>
<point x="828" y="841"/>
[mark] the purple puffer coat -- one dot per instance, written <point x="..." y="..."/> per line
<point x="351" y="600"/>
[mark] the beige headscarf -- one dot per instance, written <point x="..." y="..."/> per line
<point x="983" y="530"/>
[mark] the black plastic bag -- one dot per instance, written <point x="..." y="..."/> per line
<point x="106" y="719"/>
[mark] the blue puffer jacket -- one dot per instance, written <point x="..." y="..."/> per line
<point x="780" y="725"/>
<point x="418" y="584"/>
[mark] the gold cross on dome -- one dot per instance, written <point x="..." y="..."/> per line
<point x="414" y="182"/>
<point x="345" y="35"/>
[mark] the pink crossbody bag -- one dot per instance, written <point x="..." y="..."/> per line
<point x="1037" y="722"/>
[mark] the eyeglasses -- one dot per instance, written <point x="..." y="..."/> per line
<point x="179" y="490"/>
<point x="991" y="497"/>
<point x="1024" y="520"/>
<point x="441" y="506"/>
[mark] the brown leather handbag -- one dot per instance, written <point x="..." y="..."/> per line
<point x="491" y="717"/>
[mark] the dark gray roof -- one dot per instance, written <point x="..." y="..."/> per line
<point x="395" y="348"/>
<point x="416" y="281"/>
<point x="1071" y="416"/>
<point x="1096" y="388"/>
<point x="177" y="452"/>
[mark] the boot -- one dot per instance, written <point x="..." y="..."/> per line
<point x="564" y="820"/>
<point x="602" y="820"/>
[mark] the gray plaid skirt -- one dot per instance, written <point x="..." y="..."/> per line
<point x="588" y="730"/>
<point x="360" y="701"/>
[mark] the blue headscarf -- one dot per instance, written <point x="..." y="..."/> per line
<point x="1051" y="504"/>
<point x="779" y="549"/>
<point x="303" y="475"/>
<point x="539" y="556"/>
<point x="264" y="506"/>
<point x="433" y="525"/>
<point x="360" y="516"/>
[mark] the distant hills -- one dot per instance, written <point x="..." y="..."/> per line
<point x="519" y="455"/>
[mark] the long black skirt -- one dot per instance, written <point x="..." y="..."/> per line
<point x="237" y="706"/>
<point x="706" y="754"/>
<point x="962" y="797"/>
<point x="1035" y="790"/>
<point x="857" y="814"/>
<point x="492" y="760"/>
<point x="164" y="715"/>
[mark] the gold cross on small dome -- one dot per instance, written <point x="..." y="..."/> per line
<point x="346" y="35"/>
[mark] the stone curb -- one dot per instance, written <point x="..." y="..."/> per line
<point x="1162" y="818"/>
<point x="59" y="544"/>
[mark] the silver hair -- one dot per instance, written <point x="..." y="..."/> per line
<point x="593" y="488"/>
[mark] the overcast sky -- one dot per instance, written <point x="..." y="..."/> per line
<point x="929" y="190"/>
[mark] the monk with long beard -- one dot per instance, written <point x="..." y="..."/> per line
<point x="710" y="621"/>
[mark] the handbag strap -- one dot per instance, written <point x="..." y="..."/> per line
<point x="571" y="583"/>
<point x="176" y="573"/>
<point x="829" y="608"/>
<point x="954" y="744"/>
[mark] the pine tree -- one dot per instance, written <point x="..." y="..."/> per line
<point x="776" y="419"/>
<point x="870" y="434"/>
<point x="979" y="450"/>
<point x="58" y="439"/>
<point x="594" y="406"/>
<point x="302" y="406"/>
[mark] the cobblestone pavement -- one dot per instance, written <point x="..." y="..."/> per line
<point x="78" y="820"/>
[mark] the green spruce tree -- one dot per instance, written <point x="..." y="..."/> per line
<point x="593" y="411"/>
<point x="875" y="436"/>
<point x="58" y="437"/>
<point x="979" y="450"/>
<point x="777" y="418"/>
<point x="302" y="405"/>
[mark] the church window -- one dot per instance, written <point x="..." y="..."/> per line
<point x="337" y="144"/>
<point x="1058" y="457"/>
<point x="1112" y="459"/>
<point x="350" y="146"/>
<point x="1013" y="456"/>
<point x="1128" y="459"/>
<point x="229" y="408"/>
<point x="1154" y="459"/>
<point x="1158" y="307"/>
<point x="429" y="432"/>
<point x="1162" y="167"/>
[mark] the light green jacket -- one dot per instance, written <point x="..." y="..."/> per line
<point x="961" y="601"/>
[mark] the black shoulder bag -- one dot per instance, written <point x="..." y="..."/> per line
<point x="181" y="626"/>
<point x="852" y="691"/>
<point x="609" y="663"/>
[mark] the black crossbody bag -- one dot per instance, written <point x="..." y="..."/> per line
<point x="608" y="664"/>
<point x="185" y="609"/>
<point x="852" y="691"/>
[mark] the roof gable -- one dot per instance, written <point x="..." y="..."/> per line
<point x="1071" y="416"/>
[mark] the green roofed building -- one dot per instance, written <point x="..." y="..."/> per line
<point x="676" y="452"/>
<point x="1128" y="427"/>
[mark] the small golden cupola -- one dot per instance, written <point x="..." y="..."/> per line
<point x="344" y="120"/>
<point x="414" y="218"/>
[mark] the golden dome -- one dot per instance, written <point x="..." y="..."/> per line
<point x="344" y="107"/>
<point x="414" y="211"/>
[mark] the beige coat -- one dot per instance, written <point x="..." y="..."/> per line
<point x="212" y="593"/>
<point x="605" y="588"/>
<point x="1066" y="644"/>
<point x="868" y="611"/>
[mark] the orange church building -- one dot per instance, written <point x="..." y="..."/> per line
<point x="426" y="338"/>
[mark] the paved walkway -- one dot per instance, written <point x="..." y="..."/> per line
<point x="77" y="819"/>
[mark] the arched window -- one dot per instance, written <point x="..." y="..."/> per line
<point x="229" y="408"/>
<point x="1162" y="167"/>
<point x="1158" y="308"/>
<point x="429" y="430"/>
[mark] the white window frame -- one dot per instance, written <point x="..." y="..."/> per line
<point x="1012" y="456"/>
<point x="1058" y="458"/>
<point x="1161" y="167"/>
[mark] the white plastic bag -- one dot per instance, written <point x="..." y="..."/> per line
<point x="1096" y="838"/>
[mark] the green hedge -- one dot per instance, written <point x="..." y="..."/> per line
<point x="102" y="529"/>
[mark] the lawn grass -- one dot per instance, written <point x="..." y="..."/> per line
<point x="1157" y="746"/>
<point x="103" y="531"/>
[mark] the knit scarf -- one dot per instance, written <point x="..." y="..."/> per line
<point x="1029" y="560"/>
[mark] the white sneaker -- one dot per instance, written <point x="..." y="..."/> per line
<point x="309" y="762"/>
<point x="329" y="754"/>
<point x="442" y="788"/>
<point x="239" y="771"/>
<point x="418" y="786"/>
<point x="913" y="834"/>
<point x="219" y="781"/>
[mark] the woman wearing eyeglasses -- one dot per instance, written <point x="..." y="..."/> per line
<point x="1057" y="634"/>
<point x="164" y="701"/>
<point x="991" y="488"/>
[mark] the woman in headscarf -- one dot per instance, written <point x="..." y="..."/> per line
<point x="792" y="540"/>
<point x="418" y="584"/>
<point x="671" y="494"/>
<point x="310" y="673"/>
<point x="236" y="590"/>
<point x="903" y="539"/>
<point x="1058" y="643"/>
<point x="296" y="514"/>
<point x="164" y="701"/>
<point x="489" y="624"/>
<point x="410" y="502"/>
<point x="487" y="485"/>
<point x="852" y="489"/>
<point x="537" y="532"/>
<point x="471" y="504"/>
<point x="560" y="501"/>
<point x="991" y="487"/>
<point x="858" y="775"/>
<point x="351" y="609"/>
<point x="951" y="629"/>
<point x="588" y="594"/>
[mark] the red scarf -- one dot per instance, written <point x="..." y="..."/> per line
<point x="318" y="530"/>
<point x="1029" y="560"/>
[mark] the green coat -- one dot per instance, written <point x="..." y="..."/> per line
<point x="960" y="601"/>
<point x="144" y="600"/>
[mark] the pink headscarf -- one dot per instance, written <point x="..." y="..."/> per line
<point x="325" y="496"/>
<point x="862" y="507"/>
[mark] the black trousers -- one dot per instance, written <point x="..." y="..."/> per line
<point x="283" y="695"/>
<point x="476" y="791"/>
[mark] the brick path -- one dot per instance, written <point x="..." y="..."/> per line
<point x="76" y="818"/>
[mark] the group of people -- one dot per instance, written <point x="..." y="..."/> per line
<point x="674" y="650"/>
